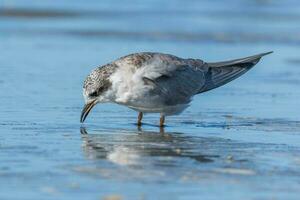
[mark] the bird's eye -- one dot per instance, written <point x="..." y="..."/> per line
<point x="100" y="89"/>
<point x="93" y="94"/>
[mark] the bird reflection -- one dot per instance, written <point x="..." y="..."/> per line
<point x="137" y="148"/>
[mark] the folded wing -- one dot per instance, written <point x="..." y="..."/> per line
<point x="176" y="82"/>
<point x="220" y="73"/>
<point x="176" y="86"/>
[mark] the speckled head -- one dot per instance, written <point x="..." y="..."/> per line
<point x="95" y="87"/>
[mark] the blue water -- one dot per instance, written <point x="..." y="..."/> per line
<point x="240" y="141"/>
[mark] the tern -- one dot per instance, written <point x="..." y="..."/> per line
<point x="149" y="82"/>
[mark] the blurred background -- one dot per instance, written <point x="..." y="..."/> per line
<point x="239" y="141"/>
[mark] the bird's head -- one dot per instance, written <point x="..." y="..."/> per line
<point x="95" y="89"/>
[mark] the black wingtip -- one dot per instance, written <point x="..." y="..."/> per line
<point x="254" y="58"/>
<point x="267" y="53"/>
<point x="258" y="55"/>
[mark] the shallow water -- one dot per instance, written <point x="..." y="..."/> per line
<point x="240" y="141"/>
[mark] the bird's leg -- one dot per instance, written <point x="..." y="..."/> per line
<point x="140" y="117"/>
<point x="162" y="130"/>
<point x="162" y="120"/>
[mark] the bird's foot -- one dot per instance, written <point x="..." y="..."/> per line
<point x="162" y="121"/>
<point x="140" y="117"/>
<point x="139" y="123"/>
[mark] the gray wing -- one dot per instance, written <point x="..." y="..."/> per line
<point x="220" y="73"/>
<point x="177" y="86"/>
<point x="193" y="76"/>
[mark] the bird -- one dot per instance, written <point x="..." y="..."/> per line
<point x="151" y="82"/>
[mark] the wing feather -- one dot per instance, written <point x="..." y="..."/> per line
<point x="178" y="85"/>
<point x="220" y="73"/>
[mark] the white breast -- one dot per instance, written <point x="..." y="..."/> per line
<point x="129" y="88"/>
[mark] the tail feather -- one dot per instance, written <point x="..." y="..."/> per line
<point x="220" y="73"/>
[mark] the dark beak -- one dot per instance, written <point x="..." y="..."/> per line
<point x="86" y="109"/>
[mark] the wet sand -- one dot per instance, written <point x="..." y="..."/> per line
<point x="240" y="141"/>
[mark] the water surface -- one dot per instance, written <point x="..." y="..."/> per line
<point x="240" y="141"/>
